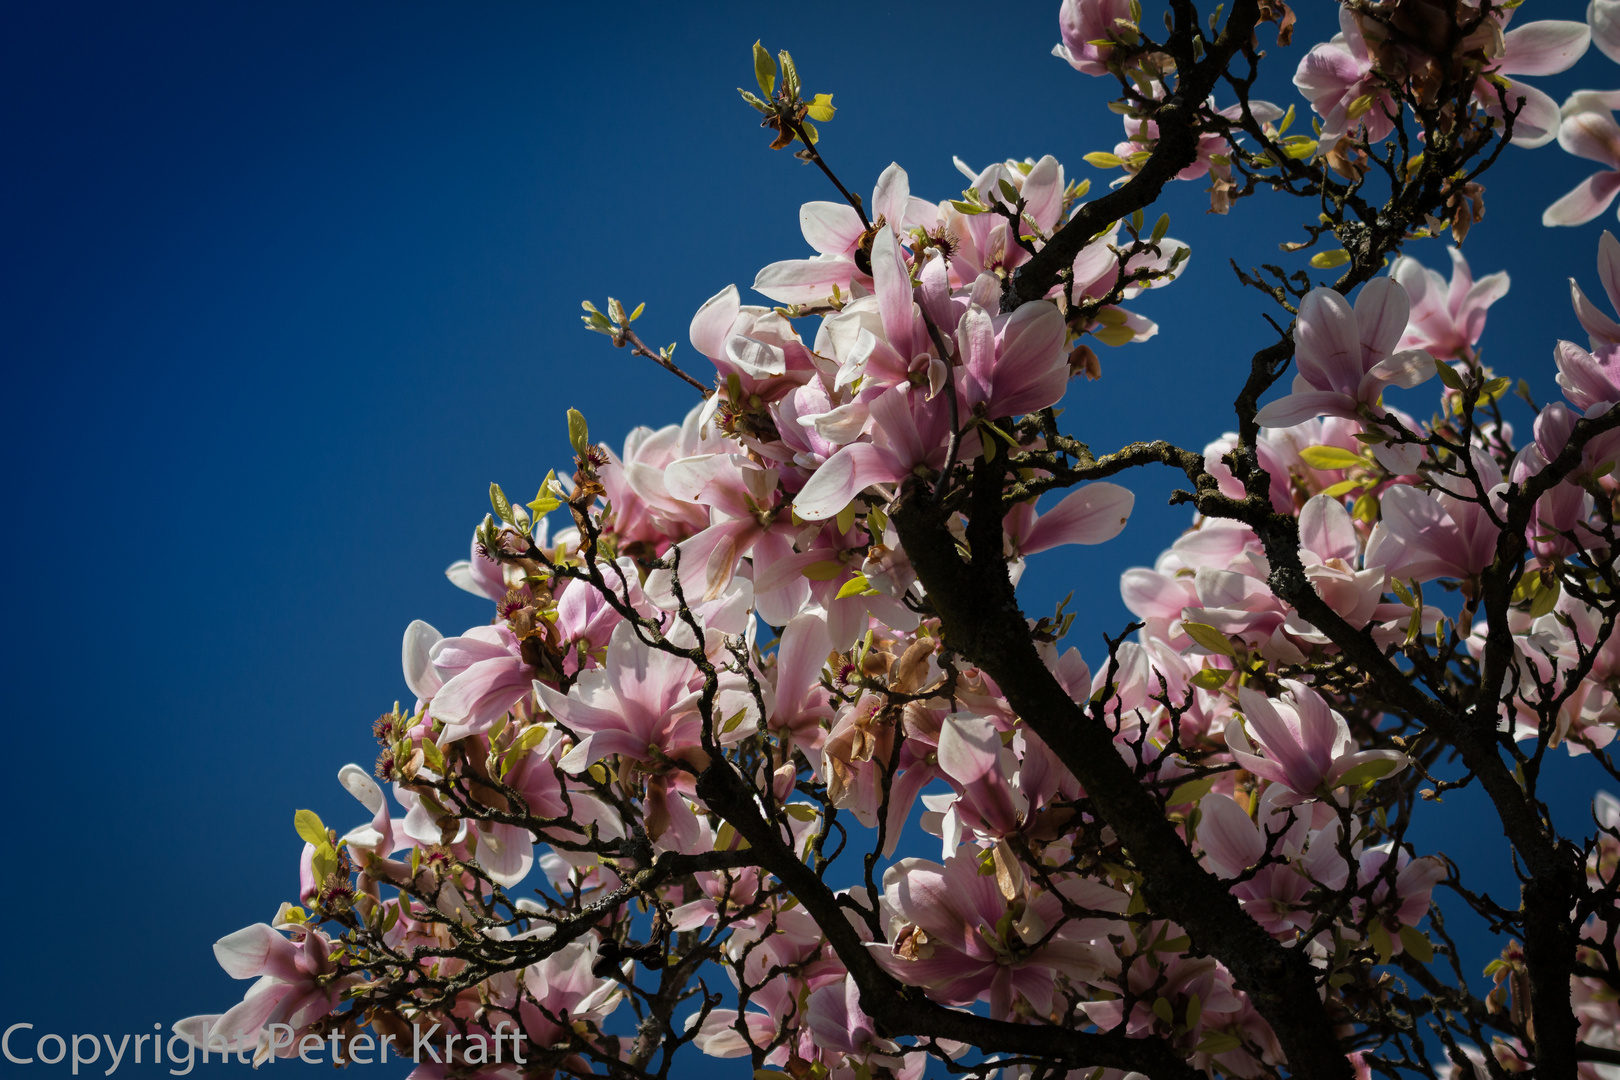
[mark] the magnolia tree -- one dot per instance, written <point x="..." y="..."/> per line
<point x="650" y="810"/>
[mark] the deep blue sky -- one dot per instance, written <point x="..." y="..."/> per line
<point x="286" y="286"/>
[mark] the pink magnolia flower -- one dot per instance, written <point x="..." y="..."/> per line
<point x="1415" y="879"/>
<point x="1426" y="535"/>
<point x="1446" y="322"/>
<point x="295" y="985"/>
<point x="953" y="933"/>
<point x="1012" y="364"/>
<point x="1590" y="382"/>
<point x="1328" y="546"/>
<point x="834" y="230"/>
<point x="1307" y="745"/>
<point x="643" y="510"/>
<point x="1587" y="129"/>
<point x="1539" y="48"/>
<point x="1604" y="331"/>
<point x="1337" y="78"/>
<point x="746" y="513"/>
<point x="844" y="1034"/>
<point x="1084" y="22"/>
<point x="564" y="995"/>
<point x="908" y="433"/>
<point x="1347" y="356"/>
<point x="484" y="675"/>
<point x="639" y="705"/>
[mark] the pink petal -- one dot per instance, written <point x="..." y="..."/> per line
<point x="1299" y="407"/>
<point x="1230" y="840"/>
<point x="1043" y="192"/>
<point x="1405" y="369"/>
<point x="712" y="323"/>
<point x="478" y="696"/>
<point x="891" y="278"/>
<point x="1281" y="744"/>
<point x="1381" y="314"/>
<point x="851" y="470"/>
<point x="832" y="228"/>
<point x="1603" y="16"/>
<point x="891" y="196"/>
<point x="1588" y="130"/>
<point x="799" y="660"/>
<point x="1609" y="268"/>
<point x="1544" y="48"/>
<point x="969" y="747"/>
<point x="257" y="950"/>
<point x="1328" y="342"/>
<point x="1325" y="529"/>
<point x="803" y="281"/>
<point x="1537" y="123"/>
<point x="1599" y="325"/>
<point x="1089" y="515"/>
<point x="1590" y="198"/>
<point x="1032" y="371"/>
<point x="420" y="638"/>
<point x="249" y="1015"/>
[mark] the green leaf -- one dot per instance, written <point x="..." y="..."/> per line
<point x="801" y="811"/>
<point x="810" y="130"/>
<point x="1209" y="637"/>
<point x="1191" y="791"/>
<point x="764" y="70"/>
<point x="1329" y="457"/>
<point x="1545" y="600"/>
<point x="790" y="75"/>
<point x="846" y="518"/>
<point x="1163" y="1010"/>
<point x="855" y="586"/>
<point x="1380" y="941"/>
<point x="1327" y="260"/>
<point x="1343" y="487"/>
<point x="307" y="823"/>
<point x="636" y="314"/>
<point x="1366" y="771"/>
<point x="754" y="101"/>
<point x="1115" y="335"/>
<point x="502" y="505"/>
<point x="825" y="570"/>
<point x="821" y="109"/>
<point x="1495" y="388"/>
<point x="1417" y="944"/>
<point x="1449" y="376"/>
<point x="1211" y="678"/>
<point x="1218" y="1042"/>
<point x="1160" y="227"/>
<point x="579" y="434"/>
<point x="1402" y="592"/>
<point x="1103" y="160"/>
<point x="544" y="502"/>
<point x="1008" y="192"/>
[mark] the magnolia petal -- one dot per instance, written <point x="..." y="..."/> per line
<point x="1301" y="406"/>
<point x="1544" y="48"/>
<point x="851" y="470"/>
<point x="1590" y="198"/>
<point x="1092" y="514"/>
<point x="832" y="228"/>
<point x="1603" y="16"/>
<point x="713" y="321"/>
<point x="420" y="638"/>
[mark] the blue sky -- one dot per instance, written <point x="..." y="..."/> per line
<point x="286" y="286"/>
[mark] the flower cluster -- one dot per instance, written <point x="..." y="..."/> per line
<point x="777" y="640"/>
